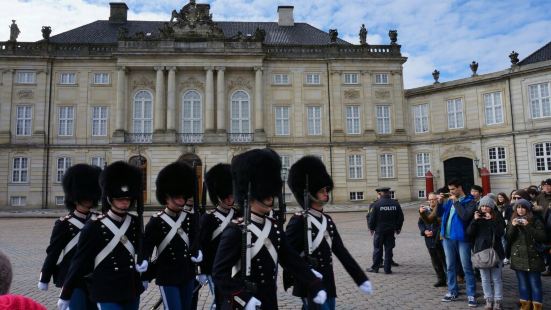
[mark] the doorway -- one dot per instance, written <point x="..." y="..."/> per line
<point x="194" y="161"/>
<point x="460" y="168"/>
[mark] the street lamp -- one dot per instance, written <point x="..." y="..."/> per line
<point x="476" y="163"/>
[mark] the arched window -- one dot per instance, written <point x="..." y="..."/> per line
<point x="143" y="113"/>
<point x="240" y="112"/>
<point x="191" y="112"/>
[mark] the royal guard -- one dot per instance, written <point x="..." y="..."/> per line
<point x="82" y="193"/>
<point x="107" y="247"/>
<point x="246" y="263"/>
<point x="314" y="235"/>
<point x="219" y="184"/>
<point x="170" y="237"/>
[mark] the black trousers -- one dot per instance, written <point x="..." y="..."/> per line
<point x="438" y="260"/>
<point x="383" y="241"/>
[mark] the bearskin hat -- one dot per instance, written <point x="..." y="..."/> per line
<point x="176" y="179"/>
<point x="318" y="177"/>
<point x="80" y="183"/>
<point x="259" y="167"/>
<point x="219" y="182"/>
<point x="120" y="180"/>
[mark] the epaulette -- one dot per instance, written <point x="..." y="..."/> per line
<point x="101" y="216"/>
<point x="66" y="217"/>
<point x="211" y="211"/>
<point x="298" y="213"/>
<point x="238" y="221"/>
<point x="158" y="214"/>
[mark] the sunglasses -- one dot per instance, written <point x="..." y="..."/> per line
<point x="516" y="197"/>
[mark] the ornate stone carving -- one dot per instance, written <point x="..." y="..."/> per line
<point x="239" y="82"/>
<point x="474" y="67"/>
<point x="25" y="94"/>
<point x="351" y="94"/>
<point x="514" y="58"/>
<point x="194" y="20"/>
<point x="46" y="31"/>
<point x="363" y="35"/>
<point x="436" y="76"/>
<point x="143" y="81"/>
<point x="14" y="31"/>
<point x="382" y="94"/>
<point x="192" y="82"/>
<point x="122" y="33"/>
<point x="393" y="35"/>
<point x="333" y="35"/>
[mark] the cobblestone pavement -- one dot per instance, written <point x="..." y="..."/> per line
<point x="24" y="240"/>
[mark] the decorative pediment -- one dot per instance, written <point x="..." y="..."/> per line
<point x="192" y="83"/>
<point x="143" y="82"/>
<point x="382" y="94"/>
<point x="192" y="21"/>
<point x="25" y="94"/>
<point x="239" y="82"/>
<point x="351" y="94"/>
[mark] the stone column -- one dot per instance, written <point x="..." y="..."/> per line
<point x="220" y="101"/>
<point x="209" y="100"/>
<point x="159" y="119"/>
<point x="121" y="98"/>
<point x="259" y="113"/>
<point x="6" y="96"/>
<point x="171" y="100"/>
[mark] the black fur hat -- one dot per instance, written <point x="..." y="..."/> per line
<point x="174" y="180"/>
<point x="318" y="177"/>
<point x="219" y="182"/>
<point x="120" y="180"/>
<point x="259" y="167"/>
<point x="80" y="183"/>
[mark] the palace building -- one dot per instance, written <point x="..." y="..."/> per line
<point x="202" y="91"/>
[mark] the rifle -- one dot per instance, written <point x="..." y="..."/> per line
<point x="203" y="208"/>
<point x="141" y="232"/>
<point x="308" y="228"/>
<point x="246" y="245"/>
<point x="280" y="214"/>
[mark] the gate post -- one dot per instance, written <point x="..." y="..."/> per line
<point x="429" y="184"/>
<point x="485" y="176"/>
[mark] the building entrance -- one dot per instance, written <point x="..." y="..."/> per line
<point x="460" y="168"/>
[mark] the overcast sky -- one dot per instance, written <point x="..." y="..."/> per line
<point x="442" y="34"/>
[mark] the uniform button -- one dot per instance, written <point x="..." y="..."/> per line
<point x="131" y="260"/>
<point x="106" y="239"/>
<point x="131" y="267"/>
<point x="321" y="259"/>
<point x="259" y="267"/>
<point x="114" y="263"/>
<point x="116" y="268"/>
<point x="262" y="281"/>
<point x="262" y="273"/>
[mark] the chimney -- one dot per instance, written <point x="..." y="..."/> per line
<point x="118" y="12"/>
<point x="285" y="15"/>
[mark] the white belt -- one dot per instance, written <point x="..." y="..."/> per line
<point x="73" y="241"/>
<point x="261" y="241"/>
<point x="119" y="236"/>
<point x="322" y="232"/>
<point x="225" y="221"/>
<point x="175" y="228"/>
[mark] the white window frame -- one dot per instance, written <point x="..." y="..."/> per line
<point x="18" y="201"/>
<point x="192" y="112"/>
<point x="421" y="194"/>
<point x="67" y="78"/>
<point x="493" y="108"/>
<point x="392" y="194"/>
<point x="66" y="120"/>
<point x="281" y="79"/>
<point x="386" y="164"/>
<point x="422" y="164"/>
<point x="98" y="161"/>
<point x="143" y="103"/>
<point x="101" y="78"/>
<point x="383" y="119"/>
<point x="540" y="100"/>
<point x="314" y="120"/>
<point x="313" y="79"/>
<point x="25" y="77"/>
<point x="281" y="121"/>
<point x="353" y="120"/>
<point x="542" y="154"/>
<point x="240" y="112"/>
<point x="62" y="164"/>
<point x="497" y="160"/>
<point x="100" y="115"/>
<point x="355" y="167"/>
<point x="456" y="118"/>
<point x="24" y="121"/>
<point x="381" y="78"/>
<point x="351" y="78"/>
<point x="20" y="170"/>
<point x="421" y="118"/>
<point x="356" y="196"/>
<point x="59" y="200"/>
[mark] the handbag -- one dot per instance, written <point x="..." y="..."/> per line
<point x="486" y="258"/>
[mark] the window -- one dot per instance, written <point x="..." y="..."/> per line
<point x="143" y="114"/>
<point x="101" y="78"/>
<point x="312" y="78"/>
<point x="314" y="121"/>
<point x="67" y="78"/>
<point x="25" y="77"/>
<point x="423" y="164"/>
<point x="353" y="120"/>
<point x="383" y="119"/>
<point x="281" y="79"/>
<point x="498" y="160"/>
<point x="285" y="166"/>
<point x="421" y="194"/>
<point x="493" y="108"/>
<point x="20" y="171"/>
<point x="63" y="163"/>
<point x="356" y="196"/>
<point x="539" y="100"/>
<point x="387" y="165"/>
<point x="381" y="78"/>
<point x="392" y="195"/>
<point x="455" y="113"/>
<point x="282" y="121"/>
<point x="66" y="119"/>
<point x="59" y="200"/>
<point x="191" y="113"/>
<point x="355" y="167"/>
<point x="98" y="161"/>
<point x="24" y="120"/>
<point x="421" y="118"/>
<point x="18" y="201"/>
<point x="240" y="112"/>
<point x="543" y="156"/>
<point x="351" y="78"/>
<point x="99" y="121"/>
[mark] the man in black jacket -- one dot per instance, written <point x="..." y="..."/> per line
<point x="314" y="234"/>
<point x="430" y="230"/>
<point x="385" y="220"/>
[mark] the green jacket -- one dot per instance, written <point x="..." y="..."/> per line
<point x="524" y="256"/>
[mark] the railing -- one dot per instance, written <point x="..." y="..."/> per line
<point x="190" y="138"/>
<point x="240" y="137"/>
<point x="56" y="49"/>
<point x="138" y="137"/>
<point x="335" y="50"/>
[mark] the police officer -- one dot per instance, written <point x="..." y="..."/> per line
<point x="82" y="193"/>
<point x="106" y="248"/>
<point x="319" y="230"/>
<point x="219" y="183"/>
<point x="171" y="233"/>
<point x="259" y="171"/>
<point x="385" y="220"/>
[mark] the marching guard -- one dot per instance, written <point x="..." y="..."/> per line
<point x="172" y="235"/>
<point x="219" y="184"/>
<point x="82" y="193"/>
<point x="246" y="263"/>
<point x="106" y="249"/>
<point x="314" y="234"/>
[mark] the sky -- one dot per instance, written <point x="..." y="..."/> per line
<point x="435" y="34"/>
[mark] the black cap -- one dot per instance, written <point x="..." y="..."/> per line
<point x="80" y="183"/>
<point x="318" y="177"/>
<point x="547" y="182"/>
<point x="176" y="179"/>
<point x="382" y="189"/>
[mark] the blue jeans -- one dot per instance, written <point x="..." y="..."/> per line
<point x="492" y="276"/>
<point x="79" y="300"/>
<point x="451" y="249"/>
<point x="134" y="305"/>
<point x="308" y="304"/>
<point x="178" y="297"/>
<point x="529" y="285"/>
